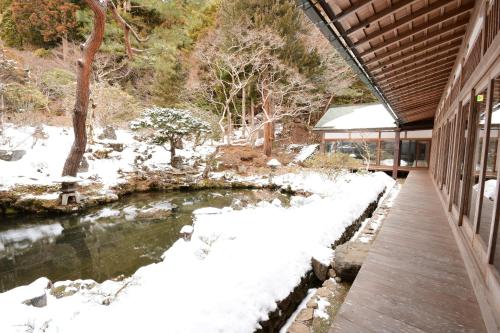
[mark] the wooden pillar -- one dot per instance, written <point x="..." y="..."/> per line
<point x="397" y="155"/>
<point x="468" y="159"/>
<point x="322" y="144"/>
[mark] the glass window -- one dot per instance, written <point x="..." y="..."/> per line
<point x="423" y="149"/>
<point x="387" y="153"/>
<point x="364" y="151"/>
<point x="408" y="153"/>
<point x="478" y="126"/>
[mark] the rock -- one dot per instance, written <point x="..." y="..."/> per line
<point x="298" y="328"/>
<point x="320" y="269"/>
<point x="102" y="153"/>
<point x="37" y="302"/>
<point x="331" y="273"/>
<point x="107" y="134"/>
<point x="305" y="315"/>
<point x="115" y="146"/>
<point x="313" y="303"/>
<point x="176" y="162"/>
<point x="348" y="259"/>
<point x="330" y="284"/>
<point x="11" y="155"/>
<point x="338" y="279"/>
<point x="84" y="165"/>
<point x="274" y="163"/>
<point x="186" y="232"/>
<point x="323" y="292"/>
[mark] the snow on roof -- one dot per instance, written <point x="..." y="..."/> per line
<point x="356" y="117"/>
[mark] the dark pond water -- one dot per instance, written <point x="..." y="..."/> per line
<point x="108" y="241"/>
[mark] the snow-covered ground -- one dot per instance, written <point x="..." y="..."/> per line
<point x="228" y="278"/>
<point x="46" y="153"/>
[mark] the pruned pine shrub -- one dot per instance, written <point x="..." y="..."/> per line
<point x="334" y="164"/>
<point x="170" y="125"/>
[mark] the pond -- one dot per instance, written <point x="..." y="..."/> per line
<point x="109" y="241"/>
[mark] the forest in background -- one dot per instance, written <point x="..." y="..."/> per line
<point x="229" y="62"/>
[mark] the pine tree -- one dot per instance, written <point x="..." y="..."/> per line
<point x="44" y="21"/>
<point x="170" y="126"/>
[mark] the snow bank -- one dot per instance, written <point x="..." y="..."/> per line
<point x="237" y="265"/>
<point x="45" y="156"/>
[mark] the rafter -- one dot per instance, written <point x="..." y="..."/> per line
<point x="405" y="20"/>
<point x="352" y="9"/>
<point x="416" y="98"/>
<point x="415" y="73"/>
<point x="423" y="59"/>
<point x="418" y="80"/>
<point x="424" y="102"/>
<point x="431" y="86"/>
<point x="456" y="40"/>
<point x="380" y="15"/>
<point x="431" y="23"/>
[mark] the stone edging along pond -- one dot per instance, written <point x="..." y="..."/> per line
<point x="24" y="200"/>
<point x="286" y="307"/>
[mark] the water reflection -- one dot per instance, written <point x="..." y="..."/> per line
<point x="105" y="242"/>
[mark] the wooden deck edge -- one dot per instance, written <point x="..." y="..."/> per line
<point x="473" y="271"/>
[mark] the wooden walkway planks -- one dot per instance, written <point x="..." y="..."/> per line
<point x="414" y="278"/>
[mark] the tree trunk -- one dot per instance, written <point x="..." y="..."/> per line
<point x="244" y="114"/>
<point x="84" y="67"/>
<point x="172" y="149"/>
<point x="252" y="123"/>
<point x="65" y="47"/>
<point x="229" y="127"/>
<point x="268" y="126"/>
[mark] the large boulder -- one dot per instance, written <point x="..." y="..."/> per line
<point x="348" y="259"/>
<point x="320" y="269"/>
<point x="11" y="155"/>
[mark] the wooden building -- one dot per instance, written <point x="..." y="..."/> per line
<point x="433" y="63"/>
<point x="368" y="133"/>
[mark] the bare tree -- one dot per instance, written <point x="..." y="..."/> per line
<point x="232" y="63"/>
<point x="84" y="69"/>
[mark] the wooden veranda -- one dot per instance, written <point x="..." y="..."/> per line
<point x="414" y="278"/>
<point x="432" y="63"/>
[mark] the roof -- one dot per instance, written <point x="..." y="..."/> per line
<point x="405" y="49"/>
<point x="361" y="116"/>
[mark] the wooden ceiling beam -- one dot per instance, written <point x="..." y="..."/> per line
<point x="422" y="60"/>
<point x="401" y="106"/>
<point x="415" y="85"/>
<point x="420" y="97"/>
<point x="416" y="72"/>
<point x="418" y="111"/>
<point x="456" y="40"/>
<point x="431" y="23"/>
<point x="437" y="85"/>
<point x="415" y="91"/>
<point x="380" y="15"/>
<point x="405" y="20"/>
<point x="423" y="103"/>
<point x="348" y="11"/>
<point x="417" y="80"/>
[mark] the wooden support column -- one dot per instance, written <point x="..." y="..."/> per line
<point x="397" y="155"/>
<point x="468" y="160"/>
<point x="322" y="144"/>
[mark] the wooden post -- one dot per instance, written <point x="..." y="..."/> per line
<point x="469" y="150"/>
<point x="397" y="154"/>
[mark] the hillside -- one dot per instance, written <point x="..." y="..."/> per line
<point x="37" y="71"/>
